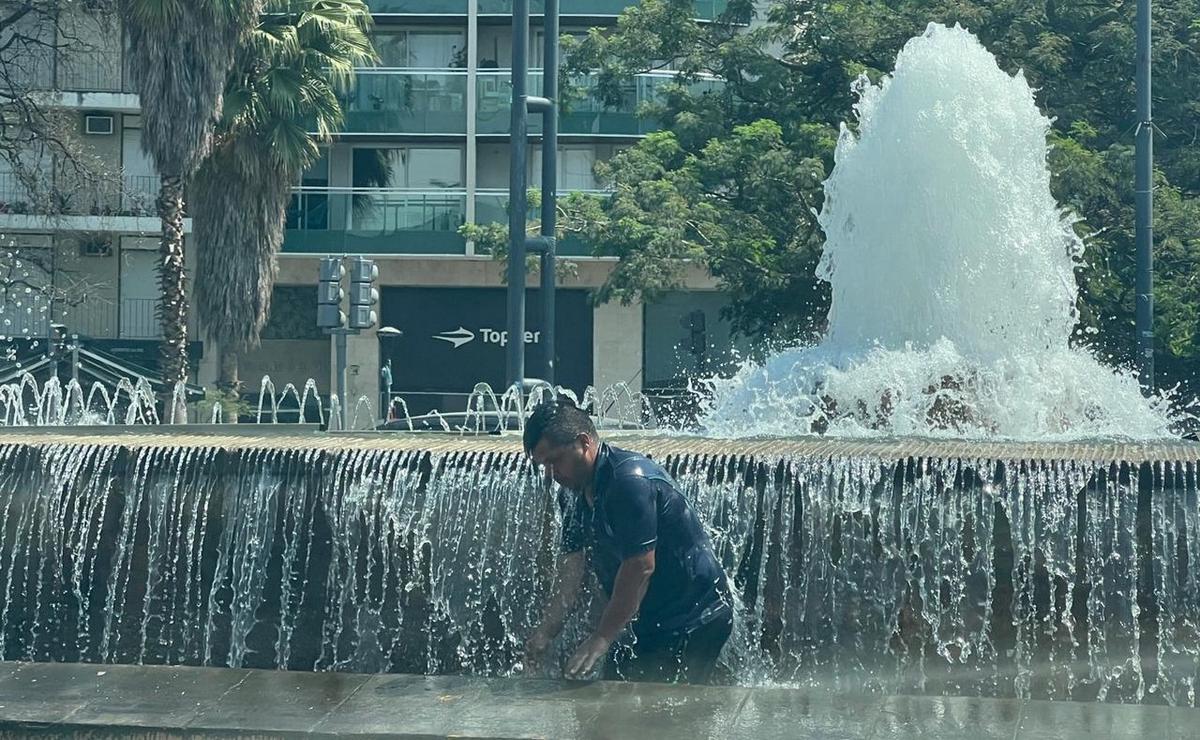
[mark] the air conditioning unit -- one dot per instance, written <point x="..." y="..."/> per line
<point x="98" y="125"/>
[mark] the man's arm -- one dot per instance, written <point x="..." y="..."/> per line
<point x="630" y="586"/>
<point x="633" y="515"/>
<point x="568" y="582"/>
<point x="628" y="589"/>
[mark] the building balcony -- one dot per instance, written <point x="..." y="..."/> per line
<point x="74" y="71"/>
<point x="588" y="116"/>
<point x="418" y="7"/>
<point x="128" y="195"/>
<point x="491" y="206"/>
<point x="93" y="71"/>
<point x="375" y="221"/>
<point x="123" y="204"/>
<point x="407" y="101"/>
<point x="705" y="9"/>
<point x="434" y="101"/>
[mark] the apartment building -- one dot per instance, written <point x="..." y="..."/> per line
<point x="425" y="149"/>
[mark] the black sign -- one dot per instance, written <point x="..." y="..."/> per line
<point x="455" y="337"/>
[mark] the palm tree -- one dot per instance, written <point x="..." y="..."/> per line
<point x="180" y="54"/>
<point x="281" y="100"/>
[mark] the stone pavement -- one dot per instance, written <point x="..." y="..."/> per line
<point x="113" y="701"/>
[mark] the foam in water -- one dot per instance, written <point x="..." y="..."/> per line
<point x="952" y="276"/>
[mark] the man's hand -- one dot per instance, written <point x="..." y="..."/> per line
<point x="585" y="657"/>
<point x="536" y="647"/>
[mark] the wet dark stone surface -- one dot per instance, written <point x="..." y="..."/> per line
<point x="111" y="701"/>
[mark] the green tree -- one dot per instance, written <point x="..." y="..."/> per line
<point x="180" y="53"/>
<point x="734" y="179"/>
<point x="284" y="85"/>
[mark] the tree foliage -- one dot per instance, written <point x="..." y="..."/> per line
<point x="734" y="179"/>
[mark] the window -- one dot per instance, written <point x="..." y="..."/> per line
<point x="428" y="49"/>
<point x="574" y="168"/>
<point x="537" y="44"/>
<point x="309" y="209"/>
<point x="408" y="167"/>
<point x="317" y="175"/>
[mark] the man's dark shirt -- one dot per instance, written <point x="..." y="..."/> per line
<point x="637" y="509"/>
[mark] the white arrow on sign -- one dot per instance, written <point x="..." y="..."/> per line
<point x="458" y="337"/>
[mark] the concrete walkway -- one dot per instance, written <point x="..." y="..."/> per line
<point x="76" y="700"/>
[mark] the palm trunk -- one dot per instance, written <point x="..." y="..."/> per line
<point x="173" y="305"/>
<point x="228" y="382"/>
<point x="227" y="379"/>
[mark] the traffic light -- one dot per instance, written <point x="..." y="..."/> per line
<point x="363" y="295"/>
<point x="330" y="294"/>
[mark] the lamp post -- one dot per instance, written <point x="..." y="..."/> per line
<point x="386" y="333"/>
<point x="519" y="243"/>
<point x="1144" y="204"/>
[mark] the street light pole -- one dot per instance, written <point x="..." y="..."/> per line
<point x="544" y="244"/>
<point x="1144" y="204"/>
<point x="517" y="200"/>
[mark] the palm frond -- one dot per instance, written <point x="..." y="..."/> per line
<point x="282" y="100"/>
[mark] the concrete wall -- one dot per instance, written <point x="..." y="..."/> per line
<point x="679" y="346"/>
<point x="617" y="345"/>
<point x="92" y="284"/>
<point x="287" y="361"/>
<point x="362" y="377"/>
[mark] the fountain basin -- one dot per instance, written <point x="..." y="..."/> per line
<point x="1024" y="570"/>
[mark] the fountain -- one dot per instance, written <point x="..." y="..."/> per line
<point x="952" y="274"/>
<point x="1008" y="550"/>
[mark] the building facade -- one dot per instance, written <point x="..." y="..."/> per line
<point x="424" y="150"/>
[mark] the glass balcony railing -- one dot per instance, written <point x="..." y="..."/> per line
<point x="407" y="101"/>
<point x="375" y="221"/>
<point x="491" y="206"/>
<point x="705" y="9"/>
<point x="588" y="115"/>
<point x="418" y="7"/>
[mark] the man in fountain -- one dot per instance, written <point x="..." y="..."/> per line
<point x="669" y="609"/>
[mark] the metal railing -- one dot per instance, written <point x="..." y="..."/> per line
<point x="139" y="319"/>
<point x="128" y="195"/>
<point x="73" y="70"/>
<point x="94" y="317"/>
<point x="92" y="71"/>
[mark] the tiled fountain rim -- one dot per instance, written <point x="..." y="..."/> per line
<point x="307" y="437"/>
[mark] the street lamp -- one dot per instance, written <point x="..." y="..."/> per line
<point x="1144" y="204"/>
<point x="385" y="333"/>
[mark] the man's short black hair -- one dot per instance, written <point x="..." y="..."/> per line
<point x="558" y="420"/>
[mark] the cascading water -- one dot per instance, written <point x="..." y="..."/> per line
<point x="1067" y="574"/>
<point x="952" y="272"/>
<point x="957" y="575"/>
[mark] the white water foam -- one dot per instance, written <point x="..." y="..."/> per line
<point x="952" y="272"/>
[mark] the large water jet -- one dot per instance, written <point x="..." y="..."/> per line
<point x="952" y="273"/>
